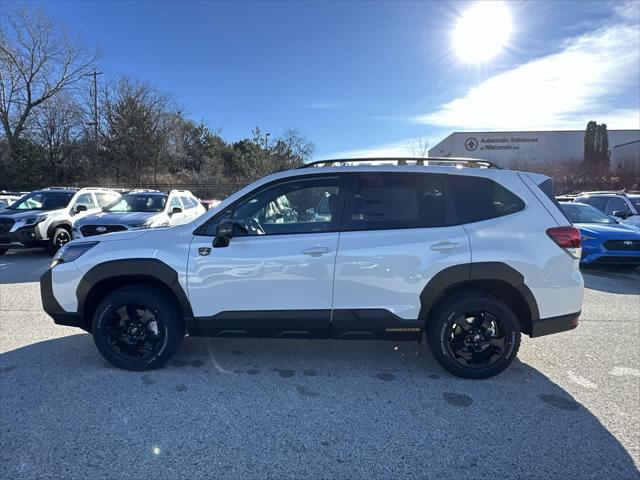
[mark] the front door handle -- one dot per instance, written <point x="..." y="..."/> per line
<point x="316" y="251"/>
<point x="444" y="246"/>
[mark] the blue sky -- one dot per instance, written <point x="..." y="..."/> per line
<point x="363" y="78"/>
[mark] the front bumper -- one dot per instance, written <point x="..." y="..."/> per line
<point x="551" y="325"/>
<point x="54" y="309"/>
<point x="24" y="237"/>
<point x="595" y="252"/>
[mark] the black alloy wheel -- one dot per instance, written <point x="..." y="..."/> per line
<point x="476" y="339"/>
<point x="138" y="327"/>
<point x="134" y="332"/>
<point x="473" y="334"/>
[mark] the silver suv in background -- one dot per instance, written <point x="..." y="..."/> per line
<point x="139" y="209"/>
<point x="624" y="206"/>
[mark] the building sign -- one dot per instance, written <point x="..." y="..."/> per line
<point x="498" y="143"/>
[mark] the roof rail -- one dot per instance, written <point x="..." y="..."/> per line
<point x="402" y="161"/>
<point x="605" y="192"/>
<point x="143" y="190"/>
<point x="62" y="188"/>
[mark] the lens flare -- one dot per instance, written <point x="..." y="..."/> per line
<point x="482" y="31"/>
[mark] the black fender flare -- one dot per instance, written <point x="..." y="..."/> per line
<point x="470" y="272"/>
<point x="56" y="224"/>
<point x="140" y="268"/>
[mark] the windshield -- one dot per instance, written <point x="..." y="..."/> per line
<point x="580" y="213"/>
<point x="138" y="202"/>
<point x="43" y="201"/>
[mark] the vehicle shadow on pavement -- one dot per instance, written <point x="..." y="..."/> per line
<point x="249" y="408"/>
<point x="23" y="266"/>
<point x="621" y="282"/>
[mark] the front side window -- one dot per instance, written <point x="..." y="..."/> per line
<point x="135" y="202"/>
<point x="393" y="201"/>
<point x="175" y="203"/>
<point x="291" y="207"/>
<point x="616" y="205"/>
<point x="480" y="198"/>
<point x="43" y="201"/>
<point x="86" y="199"/>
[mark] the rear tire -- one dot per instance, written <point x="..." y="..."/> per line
<point x="473" y="334"/>
<point x="59" y="237"/>
<point x="138" y="328"/>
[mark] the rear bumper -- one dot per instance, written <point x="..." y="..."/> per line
<point x="548" y="326"/>
<point x="54" y="310"/>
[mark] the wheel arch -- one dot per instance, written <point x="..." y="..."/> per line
<point x="498" y="278"/>
<point x="107" y="277"/>
<point x="59" y="223"/>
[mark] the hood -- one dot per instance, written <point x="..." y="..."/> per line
<point x="618" y="231"/>
<point x="113" y="237"/>
<point x="116" y="218"/>
<point x="22" y="214"/>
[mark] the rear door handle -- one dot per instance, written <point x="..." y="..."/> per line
<point x="316" y="251"/>
<point x="444" y="246"/>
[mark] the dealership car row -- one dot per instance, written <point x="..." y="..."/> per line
<point x="51" y="217"/>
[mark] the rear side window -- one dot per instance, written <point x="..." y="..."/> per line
<point x="384" y="201"/>
<point x="599" y="202"/>
<point x="481" y="199"/>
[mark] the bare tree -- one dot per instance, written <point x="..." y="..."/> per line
<point x="58" y="128"/>
<point x="38" y="60"/>
<point x="419" y="147"/>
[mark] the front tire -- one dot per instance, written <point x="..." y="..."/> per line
<point x="137" y="328"/>
<point x="59" y="237"/>
<point x="474" y="335"/>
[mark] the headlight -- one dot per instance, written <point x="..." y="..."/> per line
<point x="71" y="252"/>
<point x="35" y="220"/>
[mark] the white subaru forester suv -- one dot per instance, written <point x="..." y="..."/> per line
<point x="468" y="254"/>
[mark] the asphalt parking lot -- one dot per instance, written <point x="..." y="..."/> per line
<point x="227" y="408"/>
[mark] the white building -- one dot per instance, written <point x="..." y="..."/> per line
<point x="520" y="149"/>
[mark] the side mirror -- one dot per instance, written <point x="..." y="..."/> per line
<point x="227" y="229"/>
<point x="175" y="210"/>
<point x="81" y="208"/>
<point x="620" y="214"/>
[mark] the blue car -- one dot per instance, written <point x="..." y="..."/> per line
<point x="604" y="240"/>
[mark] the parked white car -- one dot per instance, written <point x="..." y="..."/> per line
<point x="470" y="256"/>
<point x="45" y="218"/>
<point x="139" y="209"/>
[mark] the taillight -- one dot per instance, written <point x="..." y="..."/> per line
<point x="567" y="238"/>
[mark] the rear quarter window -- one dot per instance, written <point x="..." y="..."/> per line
<point x="478" y="198"/>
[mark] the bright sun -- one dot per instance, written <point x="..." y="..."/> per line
<point x="482" y="31"/>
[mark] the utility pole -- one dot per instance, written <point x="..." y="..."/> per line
<point x="95" y="114"/>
